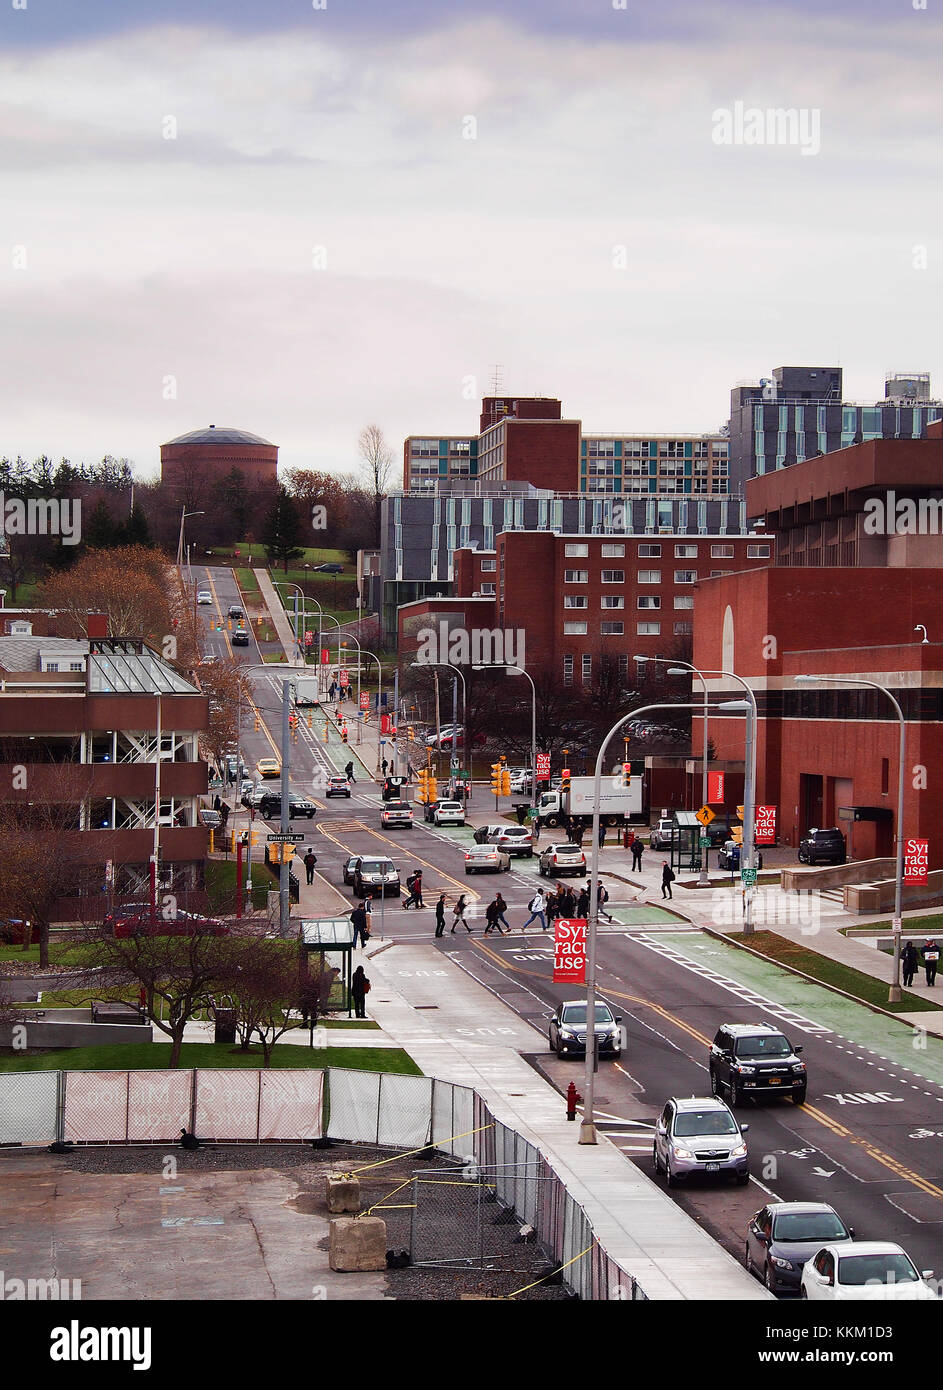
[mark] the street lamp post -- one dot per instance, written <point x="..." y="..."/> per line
<point x="894" y="994"/>
<point x="679" y="668"/>
<point x="183" y="516"/>
<point x="344" y="644"/>
<point x="533" y="720"/>
<point x="464" y="715"/>
<point x="588" y="1127"/>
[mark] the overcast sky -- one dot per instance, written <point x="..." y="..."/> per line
<point x="322" y="246"/>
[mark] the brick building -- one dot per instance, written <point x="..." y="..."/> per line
<point x="192" y="460"/>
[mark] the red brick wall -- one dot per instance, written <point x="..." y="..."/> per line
<point x="546" y="454"/>
<point x="257" y="462"/>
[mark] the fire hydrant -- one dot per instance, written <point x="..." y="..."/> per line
<point x="573" y="1099"/>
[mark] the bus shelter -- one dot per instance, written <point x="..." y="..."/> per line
<point x="685" y="841"/>
<point x="330" y="940"/>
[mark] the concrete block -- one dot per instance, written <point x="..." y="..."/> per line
<point x="342" y="1192"/>
<point x="357" y="1243"/>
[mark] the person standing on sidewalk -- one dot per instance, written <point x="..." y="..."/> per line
<point x="637" y="848"/>
<point x="602" y="833"/>
<point x="931" y="957"/>
<point x="359" y="919"/>
<point x="667" y="878"/>
<point x="310" y="860"/>
<point x="360" y="988"/>
<point x="440" y="916"/>
<point x="538" y="909"/>
<point x="909" y="963"/>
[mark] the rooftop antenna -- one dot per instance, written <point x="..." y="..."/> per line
<point x="497" y="381"/>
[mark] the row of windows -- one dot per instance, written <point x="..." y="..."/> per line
<point x="618" y="576"/>
<point x="647" y="550"/>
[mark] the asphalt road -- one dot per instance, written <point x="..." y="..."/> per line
<point x="869" y="1139"/>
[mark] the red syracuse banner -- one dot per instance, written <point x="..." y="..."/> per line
<point x="916" y="860"/>
<point x="715" y="789"/>
<point x="569" y="951"/>
<point x="765" y="832"/>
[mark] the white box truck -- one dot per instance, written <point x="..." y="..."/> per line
<point x="307" y="691"/>
<point x="617" y="804"/>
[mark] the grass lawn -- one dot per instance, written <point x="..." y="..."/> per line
<point x="60" y="953"/>
<point x="248" y="583"/>
<point x="931" y="925"/>
<point x="221" y="884"/>
<point x="155" y="1056"/>
<point x="347" y="1023"/>
<point x="830" y="972"/>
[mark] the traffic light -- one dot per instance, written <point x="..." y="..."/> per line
<point x="736" y="834"/>
<point x="344" y="734"/>
<point x="432" y="787"/>
<point x="422" y="778"/>
<point x="496" y="778"/>
<point x="565" y="780"/>
<point x="258" y="721"/>
<point x="309" y="721"/>
<point x="393" y="731"/>
<point x="326" y="735"/>
<point x="505" y="781"/>
<point x="627" y="774"/>
<point x="409" y="732"/>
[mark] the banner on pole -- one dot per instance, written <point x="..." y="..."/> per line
<point x="916" y="860"/>
<point x="715" y="789"/>
<point x="543" y="765"/>
<point x="569" y="951"/>
<point x="765" y="823"/>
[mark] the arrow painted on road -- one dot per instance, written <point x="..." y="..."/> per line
<point x="824" y="1172"/>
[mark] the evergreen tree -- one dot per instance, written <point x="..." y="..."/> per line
<point x="99" y="532"/>
<point x="282" y="531"/>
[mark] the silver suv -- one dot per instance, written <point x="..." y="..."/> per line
<point x="699" y="1135"/>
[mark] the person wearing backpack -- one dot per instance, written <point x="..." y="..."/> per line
<point x="537" y="909"/>
<point x="458" y="915"/>
<point x="667" y="878"/>
<point x="602" y="897"/>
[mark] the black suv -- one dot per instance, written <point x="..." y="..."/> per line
<point x="270" y="808"/>
<point x="823" y="847"/>
<point x="749" y="1059"/>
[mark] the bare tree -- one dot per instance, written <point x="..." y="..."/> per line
<point x="377" y="464"/>
<point x="228" y="688"/>
<point x="262" y="979"/>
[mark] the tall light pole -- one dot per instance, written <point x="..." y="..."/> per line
<point x="290" y="584"/>
<point x="359" y="663"/>
<point x="588" y="1126"/>
<point x="533" y="720"/>
<point x="681" y="668"/>
<point x="374" y="657"/>
<point x="464" y="713"/>
<point x="183" y="516"/>
<point x="894" y="994"/>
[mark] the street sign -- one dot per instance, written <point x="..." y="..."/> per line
<point x="453" y="764"/>
<point x="715" y="788"/>
<point x="705" y="842"/>
<point x="748" y="876"/>
<point x="288" y="838"/>
<point x="569" y="951"/>
<point x="705" y="815"/>
<point x="896" y="923"/>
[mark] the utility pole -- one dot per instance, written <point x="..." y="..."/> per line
<point x="394" y="725"/>
<point x="284" y="901"/>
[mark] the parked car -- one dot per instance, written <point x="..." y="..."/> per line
<point x="865" y="1269"/>
<point x="823" y="847"/>
<point x="396" y="813"/>
<point x="240" y="637"/>
<point x="516" y="839"/>
<point x="729" y="856"/>
<point x="337" y="786"/>
<point x="253" y="792"/>
<point x="482" y="859"/>
<point x="557" y="860"/>
<point x="783" y="1235"/>
<point x="270" y="806"/>
<point x="145" y="922"/>
<point x="233" y="769"/>
<point x="330" y="568"/>
<point x="662" y="833"/>
<point x="567" y="1030"/>
<point x="522" y="780"/>
<point x="203" y="596"/>
<point x="372" y="876"/>
<point x="448" y="813"/>
<point x="236" y="613"/>
<point x="753" y="1059"/>
<point x="699" y="1134"/>
<point x="269" y="767"/>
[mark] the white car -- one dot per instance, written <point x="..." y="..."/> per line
<point x="864" y="1269"/>
<point x="449" y="813"/>
<point x="204" y="596"/>
<point x="483" y="859"/>
<point x="662" y="833"/>
<point x="396" y="813"/>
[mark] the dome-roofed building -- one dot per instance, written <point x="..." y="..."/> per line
<point x="211" y="454"/>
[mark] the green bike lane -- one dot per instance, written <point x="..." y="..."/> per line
<point x="850" y="1025"/>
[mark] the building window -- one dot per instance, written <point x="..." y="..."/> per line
<point x="649" y="576"/>
<point x="489" y="566"/>
<point x="721" y="552"/>
<point x="76" y="666"/>
<point x="612" y="629"/>
<point x="685" y="552"/>
<point x="487" y="590"/>
<point x="576" y="576"/>
<point x="613" y="552"/>
<point x="575" y="601"/>
<point x="684" y="601"/>
<point x="649" y="552"/>
<point x="574" y="629"/>
<point x="716" y="574"/>
<point x="685" y="576"/>
<point x="757" y="552"/>
<point x="568" y="670"/>
<point x="648" y="629"/>
<point x="649" y="601"/>
<point x="682" y="628"/>
<point x="612" y="601"/>
<point x="587" y="673"/>
<point x="576" y="550"/>
<point x="613" y="576"/>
